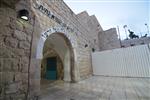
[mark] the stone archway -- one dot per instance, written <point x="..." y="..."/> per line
<point x="60" y="40"/>
<point x="57" y="45"/>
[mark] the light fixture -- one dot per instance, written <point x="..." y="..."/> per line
<point x="86" y="45"/>
<point x="24" y="14"/>
<point x="93" y="49"/>
<point x="24" y="17"/>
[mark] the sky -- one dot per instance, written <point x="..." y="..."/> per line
<point x="113" y="13"/>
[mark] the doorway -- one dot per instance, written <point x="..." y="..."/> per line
<point x="51" y="68"/>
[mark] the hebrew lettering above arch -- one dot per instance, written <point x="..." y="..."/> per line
<point x="46" y="34"/>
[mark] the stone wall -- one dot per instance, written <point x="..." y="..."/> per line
<point x="79" y="35"/>
<point x="108" y="39"/>
<point x="18" y="75"/>
<point x="19" y="67"/>
<point x="93" y="26"/>
<point x="15" y="42"/>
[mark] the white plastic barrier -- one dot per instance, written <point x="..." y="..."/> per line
<point x="130" y="62"/>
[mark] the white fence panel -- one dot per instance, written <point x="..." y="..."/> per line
<point x="130" y="62"/>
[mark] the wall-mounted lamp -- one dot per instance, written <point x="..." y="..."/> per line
<point x="86" y="45"/>
<point x="93" y="49"/>
<point x="23" y="14"/>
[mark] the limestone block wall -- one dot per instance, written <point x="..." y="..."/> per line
<point x="19" y="67"/>
<point x="108" y="39"/>
<point x="15" y="43"/>
<point x="93" y="26"/>
<point x="78" y="34"/>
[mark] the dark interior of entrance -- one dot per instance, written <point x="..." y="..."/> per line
<point x="51" y="69"/>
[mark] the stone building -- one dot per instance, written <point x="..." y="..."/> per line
<point x="136" y="41"/>
<point x="37" y="33"/>
<point x="108" y="39"/>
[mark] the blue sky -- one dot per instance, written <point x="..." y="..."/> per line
<point x="113" y="13"/>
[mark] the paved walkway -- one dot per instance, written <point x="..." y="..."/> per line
<point x="99" y="88"/>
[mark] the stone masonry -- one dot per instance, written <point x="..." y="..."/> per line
<point x="108" y="39"/>
<point x="15" y="40"/>
<point x="20" y="68"/>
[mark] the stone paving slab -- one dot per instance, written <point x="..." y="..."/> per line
<point x="99" y="88"/>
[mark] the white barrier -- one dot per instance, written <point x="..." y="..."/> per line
<point x="130" y="62"/>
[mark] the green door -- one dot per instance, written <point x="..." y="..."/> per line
<point x="51" y="69"/>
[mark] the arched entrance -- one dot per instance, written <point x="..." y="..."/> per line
<point x="58" y="58"/>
